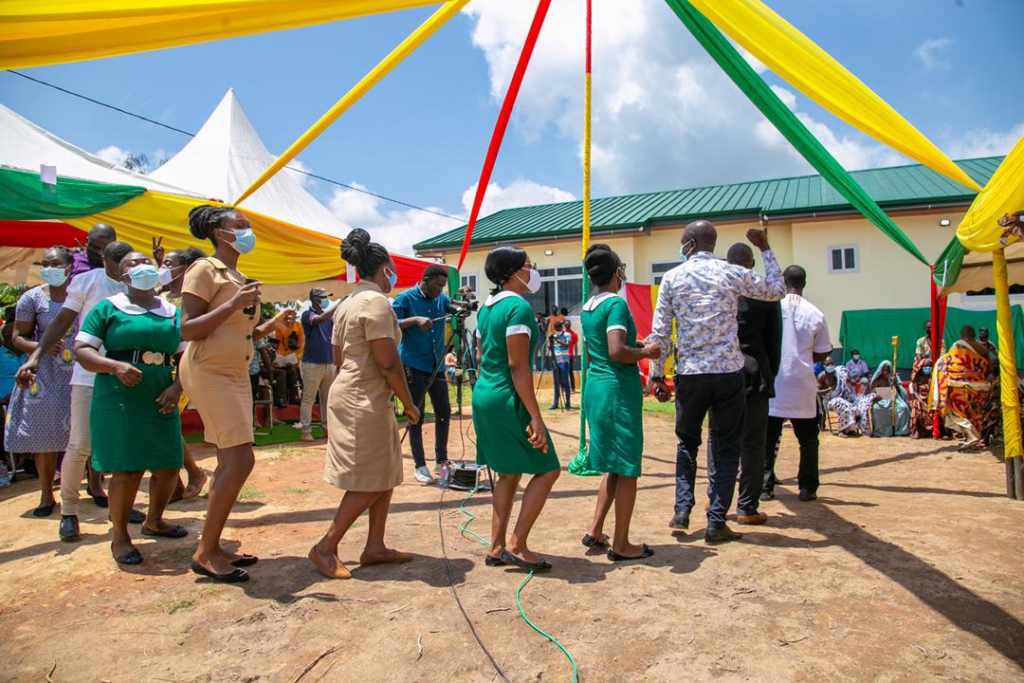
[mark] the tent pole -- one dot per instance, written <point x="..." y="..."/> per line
<point x="1008" y="381"/>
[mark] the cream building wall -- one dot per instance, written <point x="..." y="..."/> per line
<point x="886" y="276"/>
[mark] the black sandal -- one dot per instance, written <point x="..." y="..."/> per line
<point x="236" y="576"/>
<point x="537" y="567"/>
<point x="245" y="561"/>
<point x="130" y="558"/>
<point x="176" y="531"/>
<point x="592" y="542"/>
<point x="44" y="510"/>
<point x="492" y="561"/>
<point x="615" y="557"/>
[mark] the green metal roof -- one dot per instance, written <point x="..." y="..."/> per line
<point x="893" y="188"/>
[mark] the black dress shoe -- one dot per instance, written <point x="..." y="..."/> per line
<point x="808" y="495"/>
<point x="722" y="534"/>
<point x="101" y="501"/>
<point x="680" y="521"/>
<point x="44" y="510"/>
<point x="69" y="530"/>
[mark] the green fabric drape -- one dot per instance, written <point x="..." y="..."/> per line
<point x="23" y="196"/>
<point x="754" y="87"/>
<point x="946" y="270"/>
<point x="870" y="331"/>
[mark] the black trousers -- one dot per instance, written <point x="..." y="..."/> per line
<point x="723" y="394"/>
<point x="438" y="391"/>
<point x="806" y="430"/>
<point x="752" y="454"/>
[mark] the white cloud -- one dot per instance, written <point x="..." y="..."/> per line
<point x="301" y="178"/>
<point x="399" y="229"/>
<point x="665" y="115"/>
<point x="982" y="142"/>
<point x="519" y="192"/>
<point x="112" y="154"/>
<point x="930" y="52"/>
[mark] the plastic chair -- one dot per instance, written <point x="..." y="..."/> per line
<point x="268" y="404"/>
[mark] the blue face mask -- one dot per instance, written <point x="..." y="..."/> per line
<point x="830" y="369"/>
<point x="245" y="241"/>
<point x="392" y="278"/>
<point x="683" y="258"/>
<point x="54" y="276"/>
<point x="144" y="277"/>
<point x="927" y="370"/>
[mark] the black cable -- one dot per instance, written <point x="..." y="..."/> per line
<point x="455" y="593"/>
<point x="192" y="135"/>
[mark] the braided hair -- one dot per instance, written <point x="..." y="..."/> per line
<point x="368" y="257"/>
<point x="502" y="263"/>
<point x="601" y="263"/>
<point x="204" y="220"/>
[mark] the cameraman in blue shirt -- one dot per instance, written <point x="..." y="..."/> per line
<point x="421" y="314"/>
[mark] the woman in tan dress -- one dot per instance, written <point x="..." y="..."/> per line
<point x="219" y="310"/>
<point x="364" y="452"/>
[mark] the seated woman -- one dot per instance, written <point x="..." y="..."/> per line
<point x="882" y="407"/>
<point x="135" y="386"/>
<point x="962" y="389"/>
<point x="852" y="409"/>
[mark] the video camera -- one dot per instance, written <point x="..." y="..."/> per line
<point x="461" y="308"/>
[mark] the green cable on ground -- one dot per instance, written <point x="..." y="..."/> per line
<point x="575" y="671"/>
<point x="519" y="604"/>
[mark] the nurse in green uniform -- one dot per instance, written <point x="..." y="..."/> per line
<point x="511" y="437"/>
<point x="613" y="398"/>
<point x="134" y="414"/>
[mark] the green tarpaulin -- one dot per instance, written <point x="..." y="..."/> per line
<point x="754" y="87"/>
<point x="871" y="331"/>
<point x="23" y="196"/>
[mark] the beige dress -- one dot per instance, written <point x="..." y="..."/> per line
<point x="215" y="370"/>
<point x="364" y="452"/>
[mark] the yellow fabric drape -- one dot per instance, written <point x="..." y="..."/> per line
<point x="43" y="32"/>
<point x="404" y="49"/>
<point x="284" y="253"/>
<point x="1004" y="193"/>
<point x="812" y="71"/>
<point x="1007" y="360"/>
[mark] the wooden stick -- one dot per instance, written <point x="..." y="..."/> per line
<point x="309" y="667"/>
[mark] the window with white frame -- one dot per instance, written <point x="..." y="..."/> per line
<point x="658" y="271"/>
<point x="561" y="287"/>
<point x="469" y="281"/>
<point x="844" y="259"/>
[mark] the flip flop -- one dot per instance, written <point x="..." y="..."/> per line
<point x="245" y="561"/>
<point x="130" y="558"/>
<point x="236" y="576"/>
<point x="615" y="557"/>
<point x="492" y="561"/>
<point x="176" y="531"/>
<point x="591" y="542"/>
<point x="538" y="567"/>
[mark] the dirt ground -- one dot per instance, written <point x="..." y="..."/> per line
<point x="906" y="569"/>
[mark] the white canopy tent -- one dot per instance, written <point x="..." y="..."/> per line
<point x="227" y="155"/>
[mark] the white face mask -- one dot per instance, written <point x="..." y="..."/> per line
<point x="533" y="286"/>
<point x="165" y="277"/>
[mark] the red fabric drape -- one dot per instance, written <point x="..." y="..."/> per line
<point x="938" y="306"/>
<point x="503" y="117"/>
<point x="38" y="234"/>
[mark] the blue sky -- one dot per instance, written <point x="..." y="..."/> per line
<point x="665" y="117"/>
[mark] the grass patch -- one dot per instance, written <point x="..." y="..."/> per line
<point x="177" y="605"/>
<point x="299" y="490"/>
<point x="250" y="492"/>
<point x="651" y="405"/>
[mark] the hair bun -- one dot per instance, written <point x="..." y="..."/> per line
<point x="355" y="246"/>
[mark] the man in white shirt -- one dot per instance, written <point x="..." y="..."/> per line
<point x="85" y="291"/>
<point x="805" y="341"/>
<point x="702" y="297"/>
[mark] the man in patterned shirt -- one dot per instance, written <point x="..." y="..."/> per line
<point x="702" y="296"/>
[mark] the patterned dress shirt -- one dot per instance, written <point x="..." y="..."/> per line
<point x="702" y="296"/>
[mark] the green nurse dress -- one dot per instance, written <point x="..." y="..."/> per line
<point x="499" y="416"/>
<point x="129" y="433"/>
<point x="613" y="395"/>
